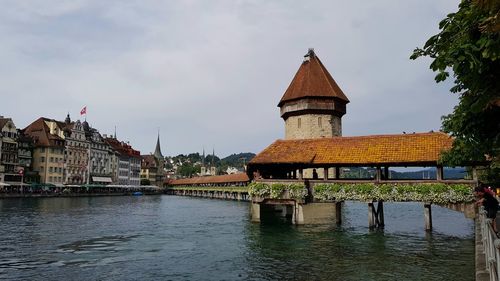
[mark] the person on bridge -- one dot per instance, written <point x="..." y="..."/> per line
<point x="489" y="202"/>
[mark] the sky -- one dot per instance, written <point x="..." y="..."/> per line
<point x="209" y="74"/>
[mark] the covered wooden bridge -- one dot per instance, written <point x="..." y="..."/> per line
<point x="320" y="161"/>
<point x="290" y="159"/>
<point x="240" y="179"/>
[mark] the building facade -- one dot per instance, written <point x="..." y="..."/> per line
<point x="9" y="163"/>
<point x="76" y="153"/>
<point x="100" y="156"/>
<point x="149" y="169"/>
<point x="128" y="162"/>
<point x="152" y="166"/>
<point x="48" y="149"/>
<point x="25" y="155"/>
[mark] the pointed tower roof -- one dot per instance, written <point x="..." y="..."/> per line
<point x="312" y="80"/>
<point x="157" y="153"/>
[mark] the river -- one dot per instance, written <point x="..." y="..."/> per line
<point x="180" y="238"/>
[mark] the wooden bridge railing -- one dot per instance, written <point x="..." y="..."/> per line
<point x="491" y="245"/>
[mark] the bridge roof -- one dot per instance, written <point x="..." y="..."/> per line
<point x="398" y="150"/>
<point x="233" y="178"/>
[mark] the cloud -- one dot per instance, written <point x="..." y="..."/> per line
<point x="210" y="73"/>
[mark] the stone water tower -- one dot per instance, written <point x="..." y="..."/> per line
<point x="313" y="104"/>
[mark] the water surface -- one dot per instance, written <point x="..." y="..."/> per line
<point x="180" y="238"/>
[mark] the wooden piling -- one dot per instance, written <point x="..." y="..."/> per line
<point x="428" y="216"/>
<point x="338" y="213"/>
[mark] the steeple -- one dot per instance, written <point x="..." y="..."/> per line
<point x="157" y="153"/>
<point x="203" y="158"/>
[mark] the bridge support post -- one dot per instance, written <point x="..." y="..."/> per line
<point x="428" y="216"/>
<point x="255" y="212"/>
<point x="380" y="212"/>
<point x="371" y="215"/>
<point x="298" y="214"/>
<point x="376" y="215"/>
<point x="338" y="213"/>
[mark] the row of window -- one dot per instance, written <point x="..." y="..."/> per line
<point x="52" y="169"/>
<point x="55" y="179"/>
<point x="52" y="159"/>
<point x="9" y="158"/>
<point x="55" y="170"/>
<point x="11" y="135"/>
<point x="52" y="150"/>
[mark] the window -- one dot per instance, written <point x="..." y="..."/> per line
<point x="298" y="123"/>
<point x="42" y="159"/>
<point x="50" y="169"/>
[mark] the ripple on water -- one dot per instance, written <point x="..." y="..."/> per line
<point x="106" y="243"/>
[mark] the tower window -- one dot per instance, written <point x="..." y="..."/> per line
<point x="298" y="122"/>
<point x="319" y="122"/>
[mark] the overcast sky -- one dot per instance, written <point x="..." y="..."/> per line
<point x="211" y="73"/>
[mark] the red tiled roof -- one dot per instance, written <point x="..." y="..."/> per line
<point x="122" y="148"/>
<point x="405" y="149"/>
<point x="233" y="178"/>
<point x="312" y="80"/>
<point x="148" y="162"/>
<point x="41" y="135"/>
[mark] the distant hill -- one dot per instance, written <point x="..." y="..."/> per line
<point x="237" y="160"/>
<point x="449" y="173"/>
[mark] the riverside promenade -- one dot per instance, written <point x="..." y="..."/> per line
<point x="39" y="191"/>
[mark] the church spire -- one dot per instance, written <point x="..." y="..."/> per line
<point x="157" y="153"/>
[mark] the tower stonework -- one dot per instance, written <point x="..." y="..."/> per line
<point x="313" y="103"/>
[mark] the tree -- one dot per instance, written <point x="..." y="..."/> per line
<point x="469" y="46"/>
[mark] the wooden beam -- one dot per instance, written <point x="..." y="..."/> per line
<point x="325" y="173"/>
<point x="378" y="176"/>
<point x="439" y="173"/>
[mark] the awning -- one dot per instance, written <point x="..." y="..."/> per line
<point x="101" y="179"/>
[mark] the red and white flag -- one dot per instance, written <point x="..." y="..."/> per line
<point x="83" y="111"/>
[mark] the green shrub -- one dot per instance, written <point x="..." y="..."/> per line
<point x="426" y="192"/>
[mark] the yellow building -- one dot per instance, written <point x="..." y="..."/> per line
<point x="48" y="152"/>
<point x="149" y="169"/>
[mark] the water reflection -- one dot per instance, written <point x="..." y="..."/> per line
<point x="176" y="238"/>
<point x="403" y="251"/>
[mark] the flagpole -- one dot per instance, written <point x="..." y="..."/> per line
<point x="88" y="166"/>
